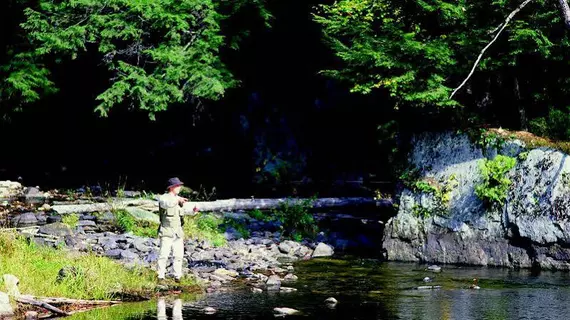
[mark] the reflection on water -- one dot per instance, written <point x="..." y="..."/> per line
<point x="176" y="309"/>
<point x="366" y="289"/>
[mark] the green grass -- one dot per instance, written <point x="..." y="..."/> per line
<point x="127" y="223"/>
<point x="205" y="226"/>
<point x="70" y="220"/>
<point x="100" y="278"/>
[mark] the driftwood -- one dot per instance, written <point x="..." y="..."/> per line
<point x="218" y="205"/>
<point x="64" y="301"/>
<point x="42" y="304"/>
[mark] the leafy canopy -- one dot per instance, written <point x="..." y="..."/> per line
<point x="419" y="51"/>
<point x="158" y="51"/>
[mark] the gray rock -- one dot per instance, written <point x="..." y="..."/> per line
<point x="290" y="277"/>
<point x="31" y="191"/>
<point x="108" y="242"/>
<point x="106" y="218"/>
<point x="88" y="217"/>
<point x="129" y="255"/>
<point x="323" y="250"/>
<point x="41" y="218"/>
<point x="54" y="218"/>
<point x="114" y="253"/>
<point x="70" y="241"/>
<point x="140" y="245"/>
<point x="55" y="229"/>
<point x="131" y="194"/>
<point x="209" y="310"/>
<point x="283" y="311"/>
<point x="33" y="195"/>
<point x="286" y="247"/>
<point x="273" y="282"/>
<point x="5" y="307"/>
<point x="530" y="229"/>
<point x="144" y="215"/>
<point x="151" y="257"/>
<point x="331" y="301"/>
<point x="25" y="220"/>
<point x="86" y="223"/>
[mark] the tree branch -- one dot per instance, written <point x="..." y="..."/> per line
<point x="507" y="20"/>
<point x="565" y="10"/>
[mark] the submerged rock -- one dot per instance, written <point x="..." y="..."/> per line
<point x="284" y="311"/>
<point x="323" y="250"/>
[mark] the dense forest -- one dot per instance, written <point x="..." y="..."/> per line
<point x="249" y="93"/>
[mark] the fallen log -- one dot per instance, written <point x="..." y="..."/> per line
<point x="42" y="304"/>
<point x="220" y="205"/>
<point x="62" y="301"/>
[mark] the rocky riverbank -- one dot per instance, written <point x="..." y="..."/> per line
<point x="262" y="252"/>
<point x="441" y="219"/>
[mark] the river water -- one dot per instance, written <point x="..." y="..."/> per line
<point x="368" y="289"/>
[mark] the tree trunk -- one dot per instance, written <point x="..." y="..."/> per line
<point x="521" y="109"/>
<point x="565" y="10"/>
<point x="220" y="205"/>
<point x="42" y="304"/>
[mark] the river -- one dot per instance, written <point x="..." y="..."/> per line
<point x="369" y="289"/>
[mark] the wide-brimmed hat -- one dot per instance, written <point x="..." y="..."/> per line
<point x="173" y="182"/>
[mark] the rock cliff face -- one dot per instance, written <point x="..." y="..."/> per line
<point x="453" y="225"/>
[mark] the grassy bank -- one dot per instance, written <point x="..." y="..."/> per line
<point x="92" y="277"/>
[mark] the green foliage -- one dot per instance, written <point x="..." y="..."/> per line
<point x="495" y="184"/>
<point x="70" y="219"/>
<point x="297" y="221"/>
<point x="420" y="211"/>
<point x="556" y="125"/>
<point x="238" y="225"/>
<point x="418" y="51"/>
<point x="127" y="223"/>
<point x="157" y="52"/>
<point x="203" y="226"/>
<point x="259" y="215"/>
<point x="410" y="176"/>
<point x="441" y="191"/>
<point x="487" y="139"/>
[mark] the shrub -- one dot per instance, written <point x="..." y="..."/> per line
<point x="70" y="219"/>
<point x="493" y="189"/>
<point x="297" y="222"/>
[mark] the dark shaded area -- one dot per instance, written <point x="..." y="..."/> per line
<point x="61" y="142"/>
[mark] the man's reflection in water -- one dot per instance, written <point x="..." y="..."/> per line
<point x="176" y="309"/>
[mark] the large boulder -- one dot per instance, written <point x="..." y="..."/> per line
<point x="454" y="226"/>
<point x="57" y="229"/>
<point x="26" y="219"/>
<point x="323" y="250"/>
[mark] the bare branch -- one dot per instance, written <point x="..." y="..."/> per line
<point x="507" y="20"/>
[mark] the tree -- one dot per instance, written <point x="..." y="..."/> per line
<point x="158" y="52"/>
<point x="418" y="51"/>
